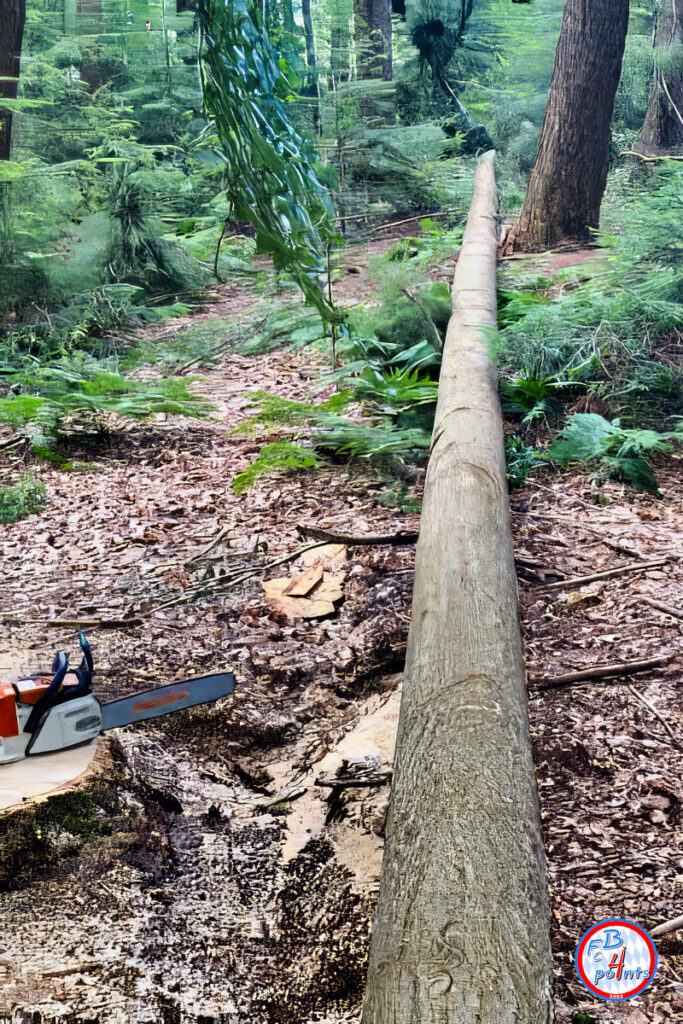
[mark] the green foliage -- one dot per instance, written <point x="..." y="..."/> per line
<point x="277" y="457"/>
<point x="409" y="313"/>
<point x="273" y="410"/>
<point x="619" y="451"/>
<point x="399" y="497"/>
<point x="394" y="390"/>
<point x="271" y="179"/>
<point x="520" y="459"/>
<point x="515" y="304"/>
<point x="79" y="385"/>
<point x="378" y="439"/>
<point x="21" y="499"/>
<point x="532" y="397"/>
<point x="17" y="410"/>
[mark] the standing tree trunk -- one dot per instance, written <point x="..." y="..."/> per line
<point x="288" y="16"/>
<point x="662" y="131"/>
<point x="12" y="18"/>
<point x="372" y="30"/>
<point x="340" y="39"/>
<point x="312" y="87"/>
<point x="70" y="14"/>
<point x="570" y="173"/>
<point x="461" y="933"/>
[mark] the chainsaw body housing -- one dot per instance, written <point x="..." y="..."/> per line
<point x="66" y="725"/>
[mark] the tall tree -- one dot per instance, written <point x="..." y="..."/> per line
<point x="662" y="131"/>
<point x="12" y="19"/>
<point x="312" y="86"/>
<point x="372" y="30"/>
<point x="570" y="173"/>
<point x="340" y="38"/>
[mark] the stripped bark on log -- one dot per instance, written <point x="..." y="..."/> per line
<point x="461" y="931"/>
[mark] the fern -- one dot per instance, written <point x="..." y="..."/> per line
<point x="81" y="384"/>
<point x="619" y="451"/>
<point x="520" y="459"/>
<point x="275" y="458"/>
<point x="21" y="499"/>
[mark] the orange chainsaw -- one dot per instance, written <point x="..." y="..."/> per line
<point x="40" y="714"/>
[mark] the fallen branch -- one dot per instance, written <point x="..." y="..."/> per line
<point x="661" y="607"/>
<point x="624" y="668"/>
<point x="665" y="927"/>
<point x="653" y="710"/>
<point x="232" y="579"/>
<point x="349" y="782"/>
<point x="408" y="220"/>
<point x="73" y="623"/>
<point x="358" y="539"/>
<point x="578" y="581"/>
<point x="648" y="159"/>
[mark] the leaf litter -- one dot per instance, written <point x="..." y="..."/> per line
<point x="203" y="918"/>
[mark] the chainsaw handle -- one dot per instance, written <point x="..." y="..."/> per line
<point x="87" y="653"/>
<point x="47" y="700"/>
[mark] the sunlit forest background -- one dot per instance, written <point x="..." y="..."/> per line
<point x="142" y="176"/>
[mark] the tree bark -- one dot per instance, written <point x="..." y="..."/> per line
<point x="662" y="131"/>
<point x="12" y="18"/>
<point x="461" y="932"/>
<point x="372" y="30"/>
<point x="288" y="17"/>
<point x="340" y="39"/>
<point x="568" y="180"/>
<point x="312" y="87"/>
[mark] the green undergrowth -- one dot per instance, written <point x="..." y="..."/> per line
<point x="45" y="400"/>
<point x="278" y="456"/>
<point x="21" y="499"/>
<point x="596" y="334"/>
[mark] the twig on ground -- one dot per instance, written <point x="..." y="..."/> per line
<point x="578" y="581"/>
<point x="212" y="544"/>
<point x="73" y="623"/>
<point x="624" y="668"/>
<point x="409" y="220"/>
<point x="674" y="925"/>
<point x="232" y="579"/>
<point x="661" y="607"/>
<point x="643" y="700"/>
<point x="353" y="539"/>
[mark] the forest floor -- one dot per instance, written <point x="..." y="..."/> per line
<point x="233" y="875"/>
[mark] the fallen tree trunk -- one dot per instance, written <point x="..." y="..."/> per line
<point x="461" y="932"/>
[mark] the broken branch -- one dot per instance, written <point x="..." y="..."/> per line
<point x="352" y="539"/>
<point x="667" y="926"/>
<point x="624" y="668"/>
<point x="578" y="581"/>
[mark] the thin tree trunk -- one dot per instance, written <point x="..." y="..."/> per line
<point x="312" y="86"/>
<point x="568" y="180"/>
<point x="461" y="933"/>
<point x="70" y="13"/>
<point x="662" y="131"/>
<point x="288" y="16"/>
<point x="340" y="40"/>
<point x="372" y="30"/>
<point x="12" y="18"/>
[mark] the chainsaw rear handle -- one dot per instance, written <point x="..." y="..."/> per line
<point x="60" y="667"/>
<point x="84" y="671"/>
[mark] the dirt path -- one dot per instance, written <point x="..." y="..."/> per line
<point x="221" y="884"/>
